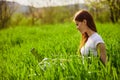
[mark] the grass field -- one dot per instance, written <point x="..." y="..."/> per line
<point x="49" y="52"/>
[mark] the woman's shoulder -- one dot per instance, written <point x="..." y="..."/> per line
<point x="95" y="36"/>
<point x="97" y="39"/>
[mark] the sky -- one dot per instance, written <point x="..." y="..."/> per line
<point x="45" y="3"/>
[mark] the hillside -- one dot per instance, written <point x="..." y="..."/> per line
<point x="25" y="9"/>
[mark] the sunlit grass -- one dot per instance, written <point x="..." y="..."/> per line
<point x="49" y="52"/>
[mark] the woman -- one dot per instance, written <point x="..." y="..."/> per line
<point x="91" y="41"/>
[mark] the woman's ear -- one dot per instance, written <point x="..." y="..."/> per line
<point x="85" y="21"/>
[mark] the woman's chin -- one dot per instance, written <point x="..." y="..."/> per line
<point x="81" y="31"/>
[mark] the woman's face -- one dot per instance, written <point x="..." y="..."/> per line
<point x="81" y="26"/>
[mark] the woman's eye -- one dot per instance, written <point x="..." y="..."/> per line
<point x="76" y="24"/>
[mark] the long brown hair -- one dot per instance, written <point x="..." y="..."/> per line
<point x="85" y="15"/>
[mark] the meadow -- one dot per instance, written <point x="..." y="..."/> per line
<point x="49" y="52"/>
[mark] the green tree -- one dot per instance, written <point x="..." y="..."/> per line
<point x="114" y="7"/>
<point x="6" y="12"/>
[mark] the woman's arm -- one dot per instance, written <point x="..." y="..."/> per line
<point x="102" y="50"/>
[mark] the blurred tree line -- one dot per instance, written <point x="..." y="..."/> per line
<point x="105" y="10"/>
<point x="51" y="15"/>
<point x="5" y="14"/>
<point x="102" y="10"/>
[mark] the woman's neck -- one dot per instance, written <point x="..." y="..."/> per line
<point x="90" y="32"/>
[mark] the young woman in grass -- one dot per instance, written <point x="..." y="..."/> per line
<point x="91" y="42"/>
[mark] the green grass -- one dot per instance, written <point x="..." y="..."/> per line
<point x="48" y="52"/>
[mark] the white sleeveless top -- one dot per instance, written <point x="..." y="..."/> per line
<point x="91" y="45"/>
